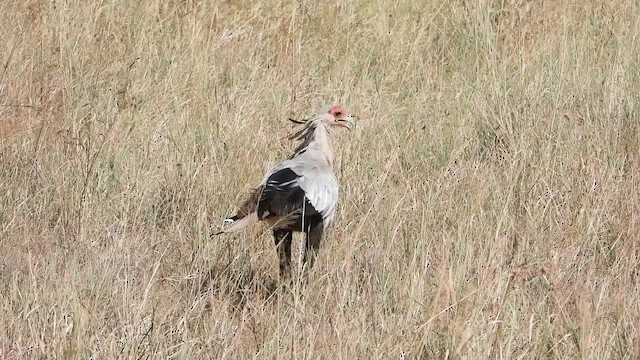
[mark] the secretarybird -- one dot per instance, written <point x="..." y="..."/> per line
<point x="300" y="193"/>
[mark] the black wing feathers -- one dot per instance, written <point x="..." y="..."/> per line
<point x="281" y="196"/>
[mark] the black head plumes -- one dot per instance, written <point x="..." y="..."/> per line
<point x="304" y="135"/>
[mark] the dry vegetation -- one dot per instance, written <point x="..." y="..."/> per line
<point x="489" y="203"/>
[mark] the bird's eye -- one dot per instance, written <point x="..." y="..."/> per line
<point x="338" y="113"/>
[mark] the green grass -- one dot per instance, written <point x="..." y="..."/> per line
<point x="488" y="204"/>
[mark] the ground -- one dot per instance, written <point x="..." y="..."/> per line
<point x="489" y="196"/>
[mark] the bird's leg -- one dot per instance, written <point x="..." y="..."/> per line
<point x="314" y="236"/>
<point x="283" y="240"/>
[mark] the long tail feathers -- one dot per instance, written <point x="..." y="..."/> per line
<point x="238" y="224"/>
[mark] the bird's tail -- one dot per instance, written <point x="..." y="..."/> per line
<point x="246" y="214"/>
<point x="239" y="223"/>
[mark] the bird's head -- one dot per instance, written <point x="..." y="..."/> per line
<point x="331" y="117"/>
<point x="327" y="119"/>
<point x="335" y="116"/>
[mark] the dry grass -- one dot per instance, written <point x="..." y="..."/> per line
<point x="489" y="204"/>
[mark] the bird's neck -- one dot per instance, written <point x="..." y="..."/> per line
<point x="322" y="142"/>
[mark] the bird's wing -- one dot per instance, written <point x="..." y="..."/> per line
<point x="283" y="196"/>
<point x="318" y="184"/>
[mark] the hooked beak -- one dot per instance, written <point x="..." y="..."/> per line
<point x="349" y="122"/>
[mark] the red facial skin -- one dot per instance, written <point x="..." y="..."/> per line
<point x="338" y="113"/>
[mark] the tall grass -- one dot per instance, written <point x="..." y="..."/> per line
<point x="489" y="199"/>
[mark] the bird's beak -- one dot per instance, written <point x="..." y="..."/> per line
<point x="349" y="122"/>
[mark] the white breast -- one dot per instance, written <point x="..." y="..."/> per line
<point x="322" y="192"/>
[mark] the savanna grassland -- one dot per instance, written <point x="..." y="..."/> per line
<point x="489" y="203"/>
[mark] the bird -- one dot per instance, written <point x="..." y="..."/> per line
<point x="299" y="194"/>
